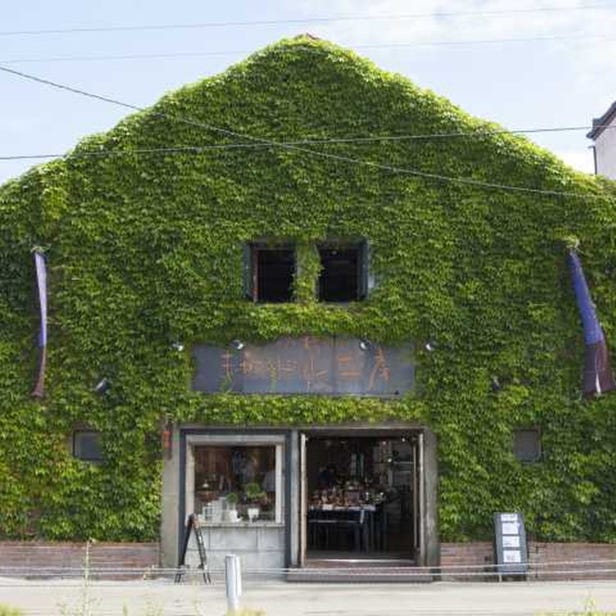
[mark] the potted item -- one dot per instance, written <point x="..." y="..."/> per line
<point x="254" y="497"/>
<point x="231" y="514"/>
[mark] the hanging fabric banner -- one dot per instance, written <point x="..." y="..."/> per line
<point x="41" y="279"/>
<point x="598" y="377"/>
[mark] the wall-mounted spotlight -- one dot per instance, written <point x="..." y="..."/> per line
<point x="495" y="385"/>
<point x="238" y="345"/>
<point x="365" y="345"/>
<point x="177" y="346"/>
<point x="430" y="346"/>
<point x="102" y="386"/>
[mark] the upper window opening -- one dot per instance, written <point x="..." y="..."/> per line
<point x="343" y="276"/>
<point x="271" y="273"/>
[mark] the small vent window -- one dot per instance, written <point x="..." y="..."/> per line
<point x="87" y="445"/>
<point x="527" y="445"/>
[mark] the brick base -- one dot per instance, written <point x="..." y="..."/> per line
<point x="459" y="561"/>
<point x="67" y="559"/>
<point x="547" y="561"/>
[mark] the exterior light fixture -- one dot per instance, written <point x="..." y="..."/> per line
<point x="495" y="385"/>
<point x="177" y="346"/>
<point x="102" y="386"/>
<point x="365" y="345"/>
<point x="238" y="345"/>
<point x="430" y="346"/>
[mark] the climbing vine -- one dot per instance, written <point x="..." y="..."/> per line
<point x="145" y="248"/>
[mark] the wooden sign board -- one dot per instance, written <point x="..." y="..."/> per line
<point x="510" y="549"/>
<point x="305" y="365"/>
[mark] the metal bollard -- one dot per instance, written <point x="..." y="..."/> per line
<point x="233" y="582"/>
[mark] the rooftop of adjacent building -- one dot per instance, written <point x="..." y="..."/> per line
<point x="600" y="124"/>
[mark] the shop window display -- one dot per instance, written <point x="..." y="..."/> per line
<point x="235" y="483"/>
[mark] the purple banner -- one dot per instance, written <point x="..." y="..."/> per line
<point x="41" y="279"/>
<point x="598" y="377"/>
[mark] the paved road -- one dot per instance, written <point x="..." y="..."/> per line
<point x="163" y="598"/>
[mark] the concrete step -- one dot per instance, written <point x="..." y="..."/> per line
<point x="360" y="571"/>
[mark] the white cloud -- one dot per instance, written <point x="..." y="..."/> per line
<point x="438" y="20"/>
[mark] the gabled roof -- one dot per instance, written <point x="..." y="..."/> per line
<point x="600" y="124"/>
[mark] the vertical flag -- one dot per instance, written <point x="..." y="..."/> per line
<point x="598" y="376"/>
<point x="41" y="279"/>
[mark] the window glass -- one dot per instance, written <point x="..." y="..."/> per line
<point x="269" y="273"/>
<point x="236" y="479"/>
<point x="344" y="272"/>
<point x="87" y="445"/>
<point x="527" y="445"/>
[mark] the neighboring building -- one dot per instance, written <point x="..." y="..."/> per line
<point x="272" y="291"/>
<point x="603" y="134"/>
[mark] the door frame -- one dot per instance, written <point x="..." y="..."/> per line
<point x="421" y="503"/>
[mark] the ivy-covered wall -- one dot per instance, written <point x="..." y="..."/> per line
<point x="145" y="248"/>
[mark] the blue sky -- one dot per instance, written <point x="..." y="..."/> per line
<point x="524" y="64"/>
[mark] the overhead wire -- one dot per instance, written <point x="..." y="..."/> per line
<point x="197" y="149"/>
<point x="296" y="148"/>
<point x="300" y="20"/>
<point x="358" y="46"/>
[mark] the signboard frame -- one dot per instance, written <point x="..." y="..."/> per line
<point x="305" y="365"/>
<point x="510" y="547"/>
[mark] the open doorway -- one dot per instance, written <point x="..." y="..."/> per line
<point x="362" y="496"/>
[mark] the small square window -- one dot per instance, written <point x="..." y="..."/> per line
<point x="344" y="272"/>
<point x="87" y="445"/>
<point x="527" y="445"/>
<point x="269" y="273"/>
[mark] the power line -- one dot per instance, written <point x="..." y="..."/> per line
<point x="366" y="46"/>
<point x="465" y="181"/>
<point x="198" y="149"/>
<point x="305" y="20"/>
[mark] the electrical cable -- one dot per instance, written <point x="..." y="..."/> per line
<point x="366" y="46"/>
<point x="465" y="181"/>
<point x="305" y="20"/>
<point x="197" y="149"/>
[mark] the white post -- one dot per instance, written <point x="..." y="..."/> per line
<point x="233" y="582"/>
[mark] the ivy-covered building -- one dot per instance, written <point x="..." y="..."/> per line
<point x="318" y="306"/>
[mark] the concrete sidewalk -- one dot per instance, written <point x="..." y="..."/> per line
<point x="163" y="598"/>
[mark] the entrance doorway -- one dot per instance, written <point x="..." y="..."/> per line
<point x="361" y="495"/>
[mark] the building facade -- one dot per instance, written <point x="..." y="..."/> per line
<point x="282" y="301"/>
<point x="604" y="143"/>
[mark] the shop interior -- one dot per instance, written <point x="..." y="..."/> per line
<point x="361" y="496"/>
<point x="235" y="483"/>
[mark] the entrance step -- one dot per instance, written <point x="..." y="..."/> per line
<point x="360" y="571"/>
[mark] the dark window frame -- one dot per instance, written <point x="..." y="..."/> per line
<point x="253" y="271"/>
<point x="76" y="448"/>
<point x="359" y="288"/>
<point x="538" y="449"/>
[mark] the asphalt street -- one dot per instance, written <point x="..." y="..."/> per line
<point x="164" y="598"/>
